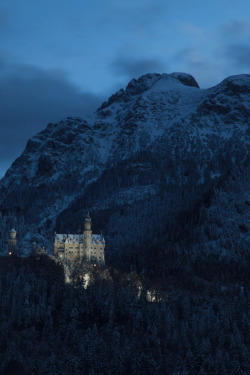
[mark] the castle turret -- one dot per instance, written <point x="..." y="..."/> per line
<point x="12" y="242"/>
<point x="87" y="223"/>
<point x="87" y="235"/>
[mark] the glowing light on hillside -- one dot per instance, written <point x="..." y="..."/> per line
<point x="86" y="279"/>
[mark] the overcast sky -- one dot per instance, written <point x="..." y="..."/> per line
<point x="62" y="58"/>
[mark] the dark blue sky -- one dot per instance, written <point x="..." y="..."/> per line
<point x="64" y="57"/>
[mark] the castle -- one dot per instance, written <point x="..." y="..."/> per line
<point x="87" y="246"/>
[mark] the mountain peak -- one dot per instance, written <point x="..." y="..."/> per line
<point x="148" y="81"/>
<point x="236" y="83"/>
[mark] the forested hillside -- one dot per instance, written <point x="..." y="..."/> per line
<point x="199" y="323"/>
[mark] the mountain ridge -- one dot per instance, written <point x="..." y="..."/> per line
<point x="161" y="131"/>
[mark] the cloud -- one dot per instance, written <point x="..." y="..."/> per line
<point x="205" y="71"/>
<point x="190" y="56"/>
<point x="133" y="68"/>
<point x="234" y="37"/>
<point x="239" y="55"/>
<point x="235" y="28"/>
<point x="3" y="20"/>
<point x="30" y="98"/>
<point x="132" y="13"/>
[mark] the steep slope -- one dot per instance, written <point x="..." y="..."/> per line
<point x="143" y="109"/>
<point x="148" y="161"/>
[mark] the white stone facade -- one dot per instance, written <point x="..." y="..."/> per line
<point x="87" y="246"/>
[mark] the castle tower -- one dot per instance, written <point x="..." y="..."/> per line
<point x="12" y="242"/>
<point x="87" y="235"/>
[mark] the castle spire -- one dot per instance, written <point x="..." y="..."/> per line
<point x="87" y="223"/>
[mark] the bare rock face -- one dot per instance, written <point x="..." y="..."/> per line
<point x="144" y="83"/>
<point x="160" y="148"/>
<point x="186" y="79"/>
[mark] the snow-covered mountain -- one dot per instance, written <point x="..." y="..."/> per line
<point x="161" y="163"/>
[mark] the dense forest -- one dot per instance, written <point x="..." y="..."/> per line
<point x="197" y="321"/>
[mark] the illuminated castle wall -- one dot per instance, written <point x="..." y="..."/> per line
<point x="87" y="246"/>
